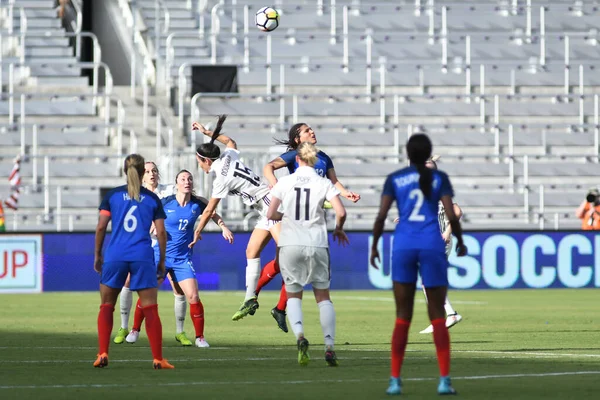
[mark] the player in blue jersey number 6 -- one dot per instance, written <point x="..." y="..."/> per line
<point x="132" y="210"/>
<point x="418" y="248"/>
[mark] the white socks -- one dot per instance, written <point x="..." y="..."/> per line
<point x="327" y="314"/>
<point x="448" y="307"/>
<point x="252" y="276"/>
<point x="294" y="314"/>
<point x="125" y="301"/>
<point x="180" y="310"/>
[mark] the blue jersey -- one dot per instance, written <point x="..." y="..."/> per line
<point x="322" y="165"/>
<point x="131" y="221"/>
<point x="418" y="227"/>
<point x="180" y="225"/>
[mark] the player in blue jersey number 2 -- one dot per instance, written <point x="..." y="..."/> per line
<point x="418" y="248"/>
<point x="132" y="210"/>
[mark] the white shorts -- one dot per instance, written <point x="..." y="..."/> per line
<point x="303" y="265"/>
<point x="262" y="207"/>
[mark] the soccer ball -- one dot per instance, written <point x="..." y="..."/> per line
<point x="267" y="19"/>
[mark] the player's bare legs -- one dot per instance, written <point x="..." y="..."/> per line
<point x="125" y="301"/>
<point x="327" y="318"/>
<point x="108" y="299"/>
<point x="190" y="288"/>
<point x="148" y="301"/>
<point x="257" y="242"/>
<point x="452" y="316"/>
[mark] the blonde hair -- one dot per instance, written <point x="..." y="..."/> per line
<point x="134" y="168"/>
<point x="307" y="152"/>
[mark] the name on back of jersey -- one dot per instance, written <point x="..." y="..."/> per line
<point x="127" y="198"/>
<point x="409" y="179"/>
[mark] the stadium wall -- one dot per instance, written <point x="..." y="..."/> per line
<point x="496" y="260"/>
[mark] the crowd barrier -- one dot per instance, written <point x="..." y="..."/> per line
<point x="495" y="260"/>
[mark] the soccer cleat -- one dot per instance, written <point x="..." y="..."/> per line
<point x="331" y="358"/>
<point x="327" y="205"/>
<point x="101" y="361"/>
<point x="248" y="307"/>
<point x="280" y="318"/>
<point x="303" y="356"/>
<point x="395" y="387"/>
<point x="162" y="364"/>
<point x="200" y="342"/>
<point x="429" y="329"/>
<point x="133" y="336"/>
<point x="445" y="387"/>
<point x="452" y="320"/>
<point x="183" y="339"/>
<point x="120" y="338"/>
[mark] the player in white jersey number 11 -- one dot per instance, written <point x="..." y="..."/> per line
<point x="303" y="248"/>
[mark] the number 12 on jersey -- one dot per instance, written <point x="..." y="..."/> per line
<point x="306" y="202"/>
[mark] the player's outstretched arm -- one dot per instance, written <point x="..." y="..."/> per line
<point x="461" y="249"/>
<point x="204" y="218"/>
<point x="217" y="219"/>
<point x="340" y="219"/>
<point x="271" y="167"/>
<point x="384" y="208"/>
<point x="458" y="212"/>
<point x="272" y="212"/>
<point x="101" y="227"/>
<point x="161" y="236"/>
<point x="332" y="176"/>
<point x="222" y="138"/>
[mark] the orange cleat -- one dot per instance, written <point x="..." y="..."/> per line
<point x="101" y="361"/>
<point x="162" y="364"/>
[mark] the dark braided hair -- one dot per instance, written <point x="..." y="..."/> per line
<point x="210" y="150"/>
<point x="419" y="149"/>
<point x="293" y="134"/>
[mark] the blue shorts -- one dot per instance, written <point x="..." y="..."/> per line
<point x="408" y="263"/>
<point x="180" y="269"/>
<point x="143" y="274"/>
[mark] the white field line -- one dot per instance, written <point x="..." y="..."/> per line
<point x="290" y="382"/>
<point x="503" y="354"/>
<point x="389" y="299"/>
<point x="495" y="355"/>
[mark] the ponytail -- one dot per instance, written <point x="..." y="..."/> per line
<point x="134" y="170"/>
<point x="419" y="149"/>
<point x="425" y="179"/>
<point x="293" y="134"/>
<point x="210" y="150"/>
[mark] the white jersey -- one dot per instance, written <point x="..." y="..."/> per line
<point x="161" y="191"/>
<point x="302" y="195"/>
<point x="234" y="178"/>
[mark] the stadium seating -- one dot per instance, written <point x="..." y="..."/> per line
<point x="508" y="100"/>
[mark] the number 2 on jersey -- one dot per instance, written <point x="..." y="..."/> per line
<point x="414" y="214"/>
<point x="306" y="203"/>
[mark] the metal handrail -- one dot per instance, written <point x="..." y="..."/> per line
<point x="78" y="27"/>
<point x="141" y="48"/>
<point x="157" y="32"/>
<point x="96" y="49"/>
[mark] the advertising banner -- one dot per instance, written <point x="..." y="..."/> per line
<point x="20" y="263"/>
<point x="495" y="260"/>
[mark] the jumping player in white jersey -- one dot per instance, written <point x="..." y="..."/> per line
<point x="303" y="248"/>
<point x="452" y="316"/>
<point x="232" y="177"/>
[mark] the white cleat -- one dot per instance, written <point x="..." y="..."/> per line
<point x="133" y="336"/>
<point x="429" y="329"/>
<point x="452" y="320"/>
<point x="200" y="342"/>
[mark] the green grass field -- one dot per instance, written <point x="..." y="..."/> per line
<point x="524" y="344"/>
